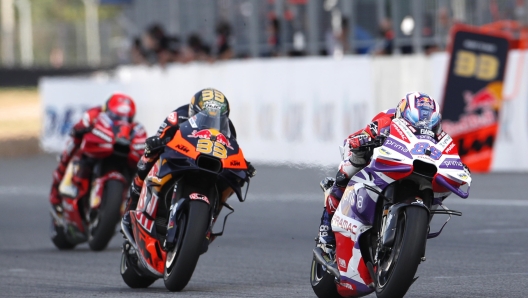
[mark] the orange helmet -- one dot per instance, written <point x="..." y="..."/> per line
<point x="120" y="107"/>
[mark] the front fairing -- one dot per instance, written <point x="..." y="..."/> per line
<point x="195" y="140"/>
<point x="178" y="164"/>
<point x="405" y="152"/>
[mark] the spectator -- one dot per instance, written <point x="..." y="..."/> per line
<point x="137" y="55"/>
<point x="223" y="35"/>
<point x="274" y="36"/>
<point x="387" y="33"/>
<point x="196" y="50"/>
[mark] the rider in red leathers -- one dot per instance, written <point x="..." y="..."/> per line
<point x="418" y="109"/>
<point x="118" y="107"/>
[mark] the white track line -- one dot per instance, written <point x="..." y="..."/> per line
<point x="41" y="190"/>
<point x="452" y="200"/>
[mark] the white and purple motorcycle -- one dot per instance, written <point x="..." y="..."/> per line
<point x="382" y="222"/>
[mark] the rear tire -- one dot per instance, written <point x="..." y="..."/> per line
<point x="131" y="277"/>
<point x="395" y="277"/>
<point x="108" y="216"/>
<point x="58" y="237"/>
<point x="188" y="250"/>
<point x="323" y="283"/>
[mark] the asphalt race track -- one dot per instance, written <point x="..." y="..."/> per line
<point x="266" y="250"/>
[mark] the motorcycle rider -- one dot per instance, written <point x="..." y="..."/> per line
<point x="118" y="106"/>
<point x="421" y="113"/>
<point x="154" y="145"/>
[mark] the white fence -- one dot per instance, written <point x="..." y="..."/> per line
<point x="284" y="110"/>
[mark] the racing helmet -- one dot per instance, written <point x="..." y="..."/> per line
<point x="421" y="111"/>
<point x="211" y="100"/>
<point x="120" y="107"/>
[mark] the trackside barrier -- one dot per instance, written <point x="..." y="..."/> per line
<point x="285" y="110"/>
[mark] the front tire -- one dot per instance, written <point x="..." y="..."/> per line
<point x="180" y="267"/>
<point x="323" y="283"/>
<point x="108" y="215"/>
<point x="396" y="270"/>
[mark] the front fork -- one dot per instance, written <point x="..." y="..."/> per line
<point x="178" y="203"/>
<point x="389" y="222"/>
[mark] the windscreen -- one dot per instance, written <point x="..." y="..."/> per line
<point x="204" y="120"/>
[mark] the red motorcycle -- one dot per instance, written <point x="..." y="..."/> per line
<point x="111" y="150"/>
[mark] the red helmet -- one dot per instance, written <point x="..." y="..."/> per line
<point x="120" y="107"/>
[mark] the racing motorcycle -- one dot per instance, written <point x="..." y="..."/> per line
<point x="382" y="222"/>
<point x="181" y="199"/>
<point x="91" y="212"/>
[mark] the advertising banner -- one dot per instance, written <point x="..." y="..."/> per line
<point x="295" y="111"/>
<point x="473" y="93"/>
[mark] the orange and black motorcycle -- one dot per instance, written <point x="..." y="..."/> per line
<point x="180" y="202"/>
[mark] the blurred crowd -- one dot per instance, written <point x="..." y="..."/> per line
<point x="155" y="46"/>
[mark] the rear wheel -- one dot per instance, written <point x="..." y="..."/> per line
<point x="181" y="260"/>
<point x="102" y="227"/>
<point x="323" y="283"/>
<point x="397" y="266"/>
<point x="130" y="276"/>
<point x="58" y="236"/>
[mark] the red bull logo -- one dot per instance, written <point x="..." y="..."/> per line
<point x="211" y="135"/>
<point x="482" y="99"/>
<point x="424" y="101"/>
<point x="220" y="138"/>
<point x="202" y="134"/>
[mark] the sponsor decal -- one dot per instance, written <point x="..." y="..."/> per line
<point x="427" y="132"/>
<point x="182" y="148"/>
<point x="235" y="163"/>
<point x="444" y="142"/>
<point x="384" y="151"/>
<point x="192" y="121"/>
<point x="173" y="118"/>
<point x="426" y="137"/>
<point x="448" y="149"/>
<point x="197" y="196"/>
<point x="463" y="176"/>
<point x="344" y="224"/>
<point x="400" y="132"/>
<point x="102" y="135"/>
<point x="452" y="163"/>
<point x="397" y="146"/>
<point x="208" y="134"/>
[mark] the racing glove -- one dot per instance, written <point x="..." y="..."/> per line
<point x="355" y="142"/>
<point x="153" y="145"/>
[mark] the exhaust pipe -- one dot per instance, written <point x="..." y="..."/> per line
<point x="330" y="267"/>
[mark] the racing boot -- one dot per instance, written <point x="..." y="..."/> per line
<point x="131" y="204"/>
<point x="55" y="198"/>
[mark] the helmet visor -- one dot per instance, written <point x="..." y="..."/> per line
<point x="206" y="120"/>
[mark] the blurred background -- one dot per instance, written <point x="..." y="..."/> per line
<point x="103" y="38"/>
<point x="105" y="33"/>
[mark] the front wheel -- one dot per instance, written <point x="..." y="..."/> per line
<point x="182" y="259"/>
<point x="102" y="227"/>
<point x="397" y="265"/>
<point x="323" y="283"/>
